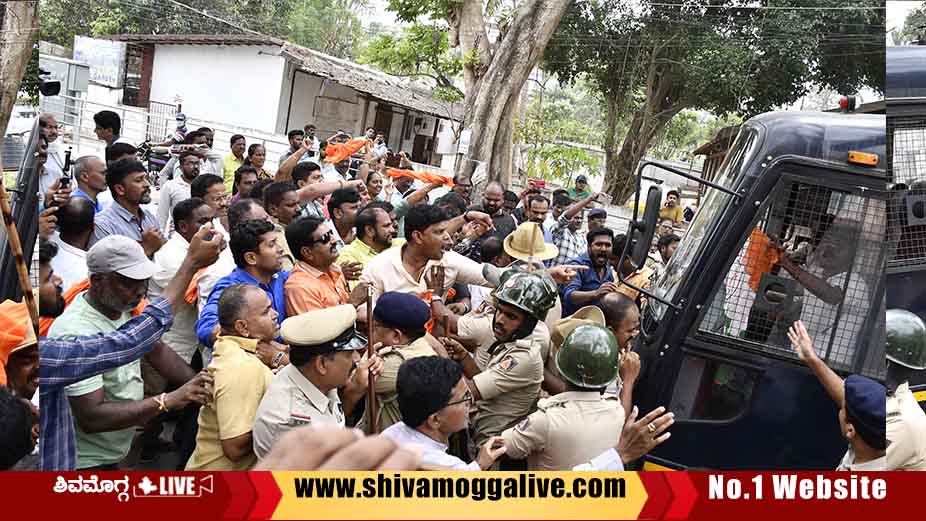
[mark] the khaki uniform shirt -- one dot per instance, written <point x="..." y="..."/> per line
<point x="477" y="327"/>
<point x="509" y="386"/>
<point x="848" y="463"/>
<point x="567" y="430"/>
<point x="906" y="431"/>
<point x="239" y="382"/>
<point x="292" y="401"/>
<point x="387" y="411"/>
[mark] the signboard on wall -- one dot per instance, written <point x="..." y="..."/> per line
<point x="106" y="59"/>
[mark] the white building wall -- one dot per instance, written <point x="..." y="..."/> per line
<point x="237" y="85"/>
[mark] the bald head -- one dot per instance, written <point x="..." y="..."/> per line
<point x="493" y="198"/>
<point x="90" y="174"/>
<point x="621" y="316"/>
<point x="75" y="218"/>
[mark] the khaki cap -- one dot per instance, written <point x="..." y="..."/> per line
<point x="583" y="316"/>
<point x="527" y="243"/>
<point x="329" y="329"/>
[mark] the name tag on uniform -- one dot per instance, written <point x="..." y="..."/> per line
<point x="299" y="419"/>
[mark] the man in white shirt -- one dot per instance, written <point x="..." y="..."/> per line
<point x="434" y="401"/>
<point x="54" y="164"/>
<point x="188" y="217"/>
<point x="75" y="225"/>
<point x="177" y="189"/>
<point x="241" y="210"/>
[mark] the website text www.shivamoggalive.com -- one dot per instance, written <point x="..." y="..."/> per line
<point x="476" y="488"/>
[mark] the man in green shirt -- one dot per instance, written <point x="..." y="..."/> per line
<point x="108" y="407"/>
<point x="580" y="190"/>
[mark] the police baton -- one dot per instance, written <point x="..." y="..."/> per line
<point x="371" y="388"/>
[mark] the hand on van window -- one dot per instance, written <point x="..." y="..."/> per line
<point x="801" y="341"/>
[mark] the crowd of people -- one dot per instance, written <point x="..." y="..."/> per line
<point x="217" y="321"/>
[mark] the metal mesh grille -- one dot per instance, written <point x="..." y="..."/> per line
<point x="825" y="273"/>
<point x="907" y="170"/>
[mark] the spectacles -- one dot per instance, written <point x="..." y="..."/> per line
<point x="467" y="398"/>
<point x="325" y="239"/>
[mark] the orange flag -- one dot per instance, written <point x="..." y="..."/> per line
<point x="46" y="322"/>
<point x="760" y="257"/>
<point x="337" y="152"/>
<point x="192" y="291"/>
<point x="424" y="177"/>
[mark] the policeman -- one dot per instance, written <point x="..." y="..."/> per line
<point x="399" y="328"/>
<point x="575" y="426"/>
<point x="506" y="391"/>
<point x="906" y="422"/>
<point x="861" y="406"/>
<point x="861" y="420"/>
<point x="324" y="352"/>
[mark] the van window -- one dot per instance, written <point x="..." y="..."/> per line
<point x="813" y="255"/>
<point x="711" y="390"/>
<point x="908" y="208"/>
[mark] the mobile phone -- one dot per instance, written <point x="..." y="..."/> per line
<point x="604" y="198"/>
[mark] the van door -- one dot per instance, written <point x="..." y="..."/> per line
<point x="741" y="397"/>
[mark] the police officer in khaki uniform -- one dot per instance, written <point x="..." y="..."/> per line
<point x="399" y="321"/>
<point x="906" y="422"/>
<point x="575" y="426"/>
<point x="507" y="390"/>
<point x="324" y="353"/>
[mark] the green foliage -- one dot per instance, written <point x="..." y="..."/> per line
<point x="914" y="28"/>
<point x="687" y="131"/>
<point x="29" y="88"/>
<point x="560" y="162"/>
<point x="724" y="60"/>
<point x="330" y="26"/>
<point x="421" y="50"/>
<point x="412" y="10"/>
<point x="563" y="115"/>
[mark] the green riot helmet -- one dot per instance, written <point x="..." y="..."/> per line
<point x="906" y="339"/>
<point x="589" y="357"/>
<point x="532" y="293"/>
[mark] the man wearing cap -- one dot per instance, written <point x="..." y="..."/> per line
<point x="224" y="441"/>
<point x="399" y="327"/>
<point x="507" y="389"/>
<point x="324" y="356"/>
<point x="566" y="235"/>
<point x="434" y="402"/>
<point x="580" y="190"/>
<point x="906" y="422"/>
<point x="597" y="218"/>
<point x="577" y="425"/>
<point x="861" y="407"/>
<point x="107" y="407"/>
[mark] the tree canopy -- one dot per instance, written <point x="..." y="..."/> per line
<point x="329" y="26"/>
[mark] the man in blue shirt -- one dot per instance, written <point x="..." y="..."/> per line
<point x="588" y="286"/>
<point x="258" y="256"/>
<point x="65" y="362"/>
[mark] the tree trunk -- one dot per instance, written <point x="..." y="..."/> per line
<point x="613" y="104"/>
<point x="665" y="98"/>
<point x="18" y="35"/>
<point x="493" y="97"/>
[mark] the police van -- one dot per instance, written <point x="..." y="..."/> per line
<point x="906" y="147"/>
<point x="793" y="228"/>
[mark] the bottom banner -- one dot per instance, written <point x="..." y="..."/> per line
<point x="457" y="495"/>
